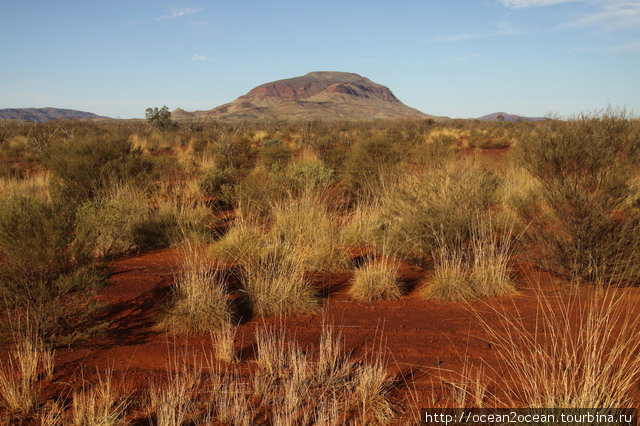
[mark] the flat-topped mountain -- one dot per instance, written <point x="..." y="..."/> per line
<point x="44" y="114"/>
<point x="325" y="95"/>
<point x="503" y="116"/>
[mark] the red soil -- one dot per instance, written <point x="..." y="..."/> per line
<point x="424" y="341"/>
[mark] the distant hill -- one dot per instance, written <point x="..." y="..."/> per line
<point x="503" y="116"/>
<point x="44" y="114"/>
<point x="324" y="95"/>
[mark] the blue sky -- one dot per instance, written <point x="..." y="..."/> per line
<point x="449" y="57"/>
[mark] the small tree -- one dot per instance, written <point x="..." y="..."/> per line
<point x="160" y="118"/>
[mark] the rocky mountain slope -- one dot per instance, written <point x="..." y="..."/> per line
<point x="324" y="95"/>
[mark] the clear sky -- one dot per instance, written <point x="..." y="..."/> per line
<point x="448" y="57"/>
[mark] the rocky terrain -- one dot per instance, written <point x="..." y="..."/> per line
<point x="320" y="95"/>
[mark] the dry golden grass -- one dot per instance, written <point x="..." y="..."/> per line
<point x="28" y="361"/>
<point x="224" y="342"/>
<point x="372" y="389"/>
<point x="363" y="225"/>
<point x="173" y="402"/>
<point x="241" y="241"/>
<point x="99" y="405"/>
<point x="200" y="300"/>
<point x="52" y="414"/>
<point x="375" y="280"/>
<point x="33" y="186"/>
<point x="275" y="281"/>
<point x="451" y="280"/>
<point x="478" y="269"/>
<point x="582" y="353"/>
<point x="312" y="231"/>
<point x="330" y="390"/>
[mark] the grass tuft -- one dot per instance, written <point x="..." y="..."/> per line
<point x="200" y="301"/>
<point x="376" y="280"/>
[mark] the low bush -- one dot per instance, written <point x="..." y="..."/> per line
<point x="436" y="150"/>
<point x="586" y="225"/>
<point x="35" y="239"/>
<point x="110" y="224"/>
<point x="308" y="176"/>
<point x="368" y="160"/>
<point x="274" y="152"/>
<point x="81" y="169"/>
<point x="46" y="277"/>
<point x="220" y="184"/>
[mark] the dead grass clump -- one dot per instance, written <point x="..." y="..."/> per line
<point x="451" y="278"/>
<point x="108" y="224"/>
<point x="364" y="225"/>
<point x="224" y="342"/>
<point x="275" y="281"/>
<point x="28" y="362"/>
<point x="333" y="389"/>
<point x="582" y="355"/>
<point x="440" y="204"/>
<point x="98" y="405"/>
<point x="372" y="389"/>
<point x="200" y="301"/>
<point x="478" y="269"/>
<point x="313" y="234"/>
<point x="376" y="280"/>
<point x="229" y="401"/>
<point x="173" y="402"/>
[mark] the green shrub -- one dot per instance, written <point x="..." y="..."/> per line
<point x="274" y="152"/>
<point x="83" y="168"/>
<point x="160" y="118"/>
<point x="107" y="224"/>
<point x="586" y="227"/>
<point x="45" y="277"/>
<point x="309" y="176"/>
<point x="368" y="160"/>
<point x="220" y="184"/>
<point x="35" y="239"/>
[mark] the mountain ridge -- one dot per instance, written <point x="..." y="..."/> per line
<point x="503" y="116"/>
<point x="324" y="95"/>
<point x="45" y="114"/>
